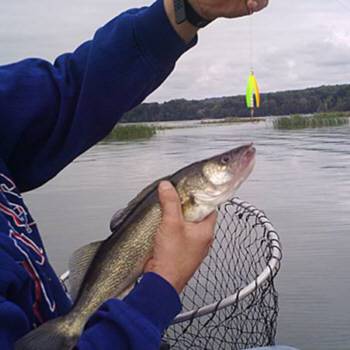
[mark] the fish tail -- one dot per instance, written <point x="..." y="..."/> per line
<point x="53" y="335"/>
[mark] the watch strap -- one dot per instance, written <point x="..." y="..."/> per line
<point x="185" y="12"/>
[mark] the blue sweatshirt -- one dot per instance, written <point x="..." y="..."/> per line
<point x="49" y="115"/>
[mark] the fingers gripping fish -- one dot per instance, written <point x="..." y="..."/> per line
<point x="106" y="269"/>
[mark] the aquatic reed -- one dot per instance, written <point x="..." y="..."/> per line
<point x="232" y="120"/>
<point x="314" y="121"/>
<point x="131" y="132"/>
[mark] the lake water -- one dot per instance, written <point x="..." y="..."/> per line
<point x="301" y="181"/>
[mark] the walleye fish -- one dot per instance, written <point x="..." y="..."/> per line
<point x="106" y="269"/>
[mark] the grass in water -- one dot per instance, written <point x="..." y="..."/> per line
<point x="131" y="132"/>
<point x="232" y="120"/>
<point x="316" y="121"/>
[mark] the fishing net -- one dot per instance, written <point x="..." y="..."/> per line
<point x="231" y="302"/>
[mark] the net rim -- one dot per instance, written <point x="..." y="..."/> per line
<point x="269" y="271"/>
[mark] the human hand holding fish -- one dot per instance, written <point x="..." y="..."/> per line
<point x="179" y="246"/>
<point x="168" y="232"/>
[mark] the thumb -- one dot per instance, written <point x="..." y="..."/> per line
<point x="169" y="200"/>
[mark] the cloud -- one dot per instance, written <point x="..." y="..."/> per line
<point x="295" y="44"/>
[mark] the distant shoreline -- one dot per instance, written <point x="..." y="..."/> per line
<point x="146" y="130"/>
<point x="307" y="101"/>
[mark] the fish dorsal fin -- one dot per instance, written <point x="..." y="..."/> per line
<point x="122" y="214"/>
<point x="79" y="264"/>
<point x="117" y="218"/>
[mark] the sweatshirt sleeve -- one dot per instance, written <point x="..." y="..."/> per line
<point x="51" y="113"/>
<point x="14" y="321"/>
<point x="13" y="324"/>
<point x="137" y="322"/>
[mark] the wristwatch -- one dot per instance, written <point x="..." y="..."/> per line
<point x="185" y="12"/>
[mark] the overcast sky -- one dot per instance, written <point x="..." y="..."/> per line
<point x="297" y="43"/>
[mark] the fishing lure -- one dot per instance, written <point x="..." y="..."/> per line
<point x="252" y="91"/>
<point x="252" y="86"/>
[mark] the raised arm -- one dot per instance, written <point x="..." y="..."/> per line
<point x="51" y="113"/>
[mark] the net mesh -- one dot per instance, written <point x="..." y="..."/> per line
<point x="241" y="251"/>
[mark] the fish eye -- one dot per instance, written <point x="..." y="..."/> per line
<point x="225" y="159"/>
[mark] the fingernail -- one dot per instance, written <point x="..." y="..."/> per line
<point x="252" y="5"/>
<point x="165" y="186"/>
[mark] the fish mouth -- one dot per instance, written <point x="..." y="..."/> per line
<point x="247" y="156"/>
<point x="244" y="165"/>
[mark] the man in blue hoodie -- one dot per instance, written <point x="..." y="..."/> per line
<point x="49" y="115"/>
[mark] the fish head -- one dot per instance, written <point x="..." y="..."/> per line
<point x="213" y="181"/>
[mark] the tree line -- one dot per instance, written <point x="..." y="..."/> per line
<point x="311" y="100"/>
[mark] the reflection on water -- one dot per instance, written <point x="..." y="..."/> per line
<point x="301" y="180"/>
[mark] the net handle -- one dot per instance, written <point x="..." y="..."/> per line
<point x="269" y="272"/>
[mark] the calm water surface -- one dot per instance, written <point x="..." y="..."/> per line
<point x="301" y="180"/>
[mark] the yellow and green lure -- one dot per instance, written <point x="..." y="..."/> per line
<point x="252" y="91"/>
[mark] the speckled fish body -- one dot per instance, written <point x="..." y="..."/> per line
<point x="104" y="270"/>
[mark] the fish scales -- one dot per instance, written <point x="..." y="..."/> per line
<point x="122" y="264"/>
<point x="108" y="268"/>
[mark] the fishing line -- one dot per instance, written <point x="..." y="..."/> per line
<point x="252" y="86"/>
<point x="251" y="42"/>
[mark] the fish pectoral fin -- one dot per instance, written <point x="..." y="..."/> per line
<point x="126" y="291"/>
<point x="79" y="264"/>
